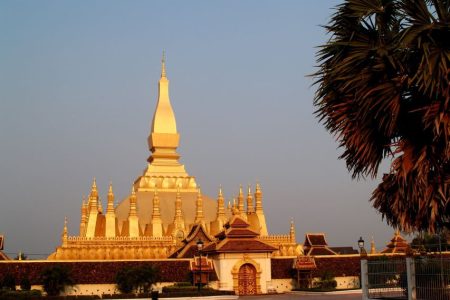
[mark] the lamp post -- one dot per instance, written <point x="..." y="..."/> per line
<point x="200" y="247"/>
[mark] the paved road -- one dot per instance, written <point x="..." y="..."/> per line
<point x="301" y="296"/>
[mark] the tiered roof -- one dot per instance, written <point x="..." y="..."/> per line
<point x="189" y="247"/>
<point x="397" y="244"/>
<point x="315" y="244"/>
<point x="238" y="237"/>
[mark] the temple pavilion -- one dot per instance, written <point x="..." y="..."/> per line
<point x="165" y="203"/>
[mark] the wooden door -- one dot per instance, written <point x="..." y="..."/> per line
<point x="247" y="280"/>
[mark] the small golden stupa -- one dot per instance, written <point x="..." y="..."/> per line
<point x="164" y="204"/>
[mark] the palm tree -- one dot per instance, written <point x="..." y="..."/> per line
<point x="383" y="91"/>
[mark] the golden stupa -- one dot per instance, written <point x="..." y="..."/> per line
<point x="164" y="204"/>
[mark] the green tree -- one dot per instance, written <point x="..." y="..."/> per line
<point x="383" y="91"/>
<point x="139" y="279"/>
<point x="430" y="242"/>
<point x="25" y="284"/>
<point x="55" y="279"/>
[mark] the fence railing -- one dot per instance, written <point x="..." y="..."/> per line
<point x="406" y="278"/>
<point x="386" y="279"/>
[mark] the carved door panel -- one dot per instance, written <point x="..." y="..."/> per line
<point x="247" y="280"/>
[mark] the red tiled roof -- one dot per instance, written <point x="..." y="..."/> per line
<point x="397" y="245"/>
<point x="238" y="222"/>
<point x="316" y="239"/>
<point x="344" y="250"/>
<point x="244" y="245"/>
<point x="243" y="232"/>
<point x="321" y="251"/>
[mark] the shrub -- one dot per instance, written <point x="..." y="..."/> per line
<point x="9" y="282"/>
<point x="25" y="284"/>
<point x="137" y="279"/>
<point x="326" y="282"/>
<point x="55" y="279"/>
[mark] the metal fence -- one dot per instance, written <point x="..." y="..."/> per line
<point x="420" y="278"/>
<point x="432" y="278"/>
<point x="387" y="279"/>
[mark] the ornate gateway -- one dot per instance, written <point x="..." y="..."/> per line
<point x="247" y="280"/>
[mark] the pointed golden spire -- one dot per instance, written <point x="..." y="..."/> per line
<point x="220" y="204"/>
<point x="94" y="192"/>
<point x="241" y="200"/>
<point x="65" y="231"/>
<point x="84" y="212"/>
<point x="93" y="198"/>
<point x="199" y="218"/>
<point x="64" y="236"/>
<point x="292" y="231"/>
<point x="372" y="247"/>
<point x="258" y="198"/>
<point x="110" y="206"/>
<point x="234" y="209"/>
<point x="250" y="207"/>
<point x="133" y="207"/>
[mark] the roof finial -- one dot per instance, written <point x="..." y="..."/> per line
<point x="163" y="64"/>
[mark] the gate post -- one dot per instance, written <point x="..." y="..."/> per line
<point x="411" y="278"/>
<point x="364" y="279"/>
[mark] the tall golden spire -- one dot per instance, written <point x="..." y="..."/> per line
<point x="93" y="197"/>
<point x="250" y="207"/>
<point x="156" y="222"/>
<point x="373" y="250"/>
<point x="292" y="231"/>
<point x="110" y="216"/>
<point x="164" y="123"/>
<point x="258" y="198"/>
<point x="260" y="212"/>
<point x="65" y="235"/>
<point x="199" y="218"/>
<point x="133" y="207"/>
<point x="163" y="164"/>
<point x="133" y="219"/>
<point x="241" y="200"/>
<point x="220" y="204"/>
<point x="110" y="206"/>
<point x="83" y="222"/>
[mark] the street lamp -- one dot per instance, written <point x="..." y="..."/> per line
<point x="200" y="247"/>
<point x="361" y="244"/>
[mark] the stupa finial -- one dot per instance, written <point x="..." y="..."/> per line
<point x="163" y="64"/>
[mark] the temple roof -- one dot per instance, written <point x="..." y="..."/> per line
<point x="189" y="244"/>
<point x="397" y="244"/>
<point x="238" y="237"/>
<point x="315" y="244"/>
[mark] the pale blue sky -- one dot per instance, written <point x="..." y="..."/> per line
<point x="78" y="85"/>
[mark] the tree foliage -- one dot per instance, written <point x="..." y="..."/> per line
<point x="137" y="279"/>
<point x="55" y="279"/>
<point x="383" y="91"/>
